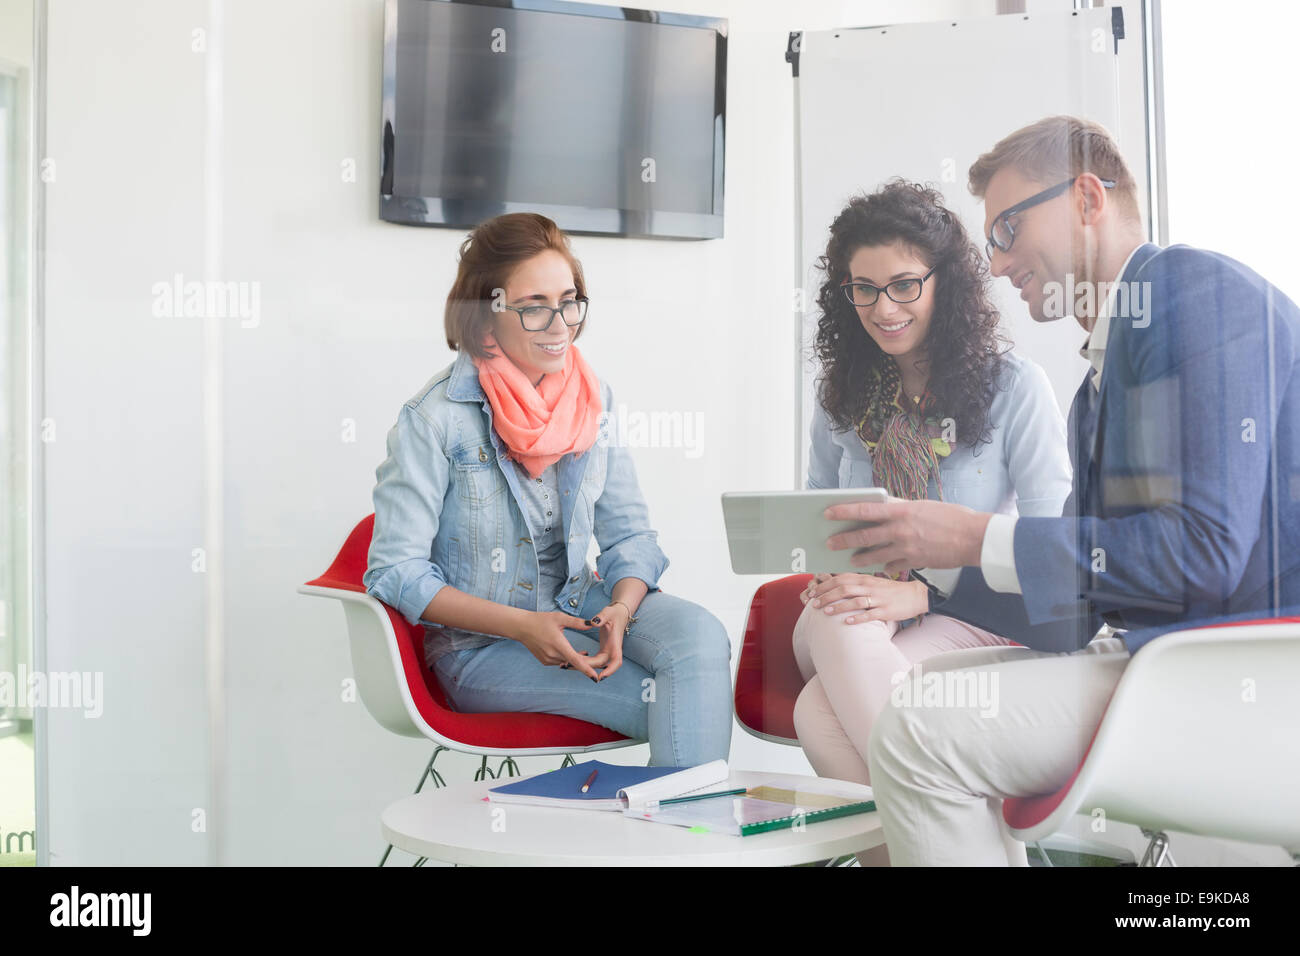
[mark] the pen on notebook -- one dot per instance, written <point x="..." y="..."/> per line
<point x="590" y="780"/>
<point x="702" y="796"/>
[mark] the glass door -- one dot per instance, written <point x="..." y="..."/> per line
<point x="17" y="764"/>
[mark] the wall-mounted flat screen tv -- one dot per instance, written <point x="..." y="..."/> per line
<point x="608" y="120"/>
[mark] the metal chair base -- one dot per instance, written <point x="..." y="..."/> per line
<point x="1157" y="850"/>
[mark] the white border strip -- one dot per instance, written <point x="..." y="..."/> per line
<point x="213" y="431"/>
<point x="36" y="402"/>
<point x="799" y="276"/>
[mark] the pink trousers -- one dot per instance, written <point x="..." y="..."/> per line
<point x="850" y="671"/>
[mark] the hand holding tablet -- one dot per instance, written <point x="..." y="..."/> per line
<point x="900" y="535"/>
<point x="787" y="532"/>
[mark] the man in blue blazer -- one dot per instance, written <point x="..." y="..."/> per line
<point x="1185" y="440"/>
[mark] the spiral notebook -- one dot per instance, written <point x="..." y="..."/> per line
<point x="759" y="809"/>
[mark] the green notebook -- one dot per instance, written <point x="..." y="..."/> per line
<point x="759" y="810"/>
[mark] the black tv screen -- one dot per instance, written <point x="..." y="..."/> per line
<point x="608" y="120"/>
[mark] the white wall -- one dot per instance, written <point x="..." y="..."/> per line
<point x="349" y="328"/>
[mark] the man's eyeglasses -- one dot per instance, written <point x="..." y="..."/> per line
<point x="900" y="290"/>
<point x="1003" y="234"/>
<point x="538" y="318"/>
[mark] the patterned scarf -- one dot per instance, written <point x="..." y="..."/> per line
<point x="905" y="448"/>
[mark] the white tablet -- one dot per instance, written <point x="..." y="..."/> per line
<point x="783" y="532"/>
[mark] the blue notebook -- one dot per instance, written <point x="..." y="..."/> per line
<point x="563" y="788"/>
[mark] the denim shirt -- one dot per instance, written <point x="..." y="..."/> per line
<point x="1024" y="469"/>
<point x="450" y="509"/>
<point x="542" y="514"/>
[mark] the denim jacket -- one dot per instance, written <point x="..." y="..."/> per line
<point x="448" y="508"/>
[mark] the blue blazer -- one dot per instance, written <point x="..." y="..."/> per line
<point x="1186" y="490"/>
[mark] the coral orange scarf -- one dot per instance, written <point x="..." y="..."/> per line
<point x="542" y="424"/>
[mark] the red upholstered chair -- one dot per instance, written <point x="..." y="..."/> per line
<point x="1201" y="735"/>
<point x="404" y="695"/>
<point x="767" y="677"/>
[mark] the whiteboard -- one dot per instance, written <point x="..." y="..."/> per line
<point x="956" y="87"/>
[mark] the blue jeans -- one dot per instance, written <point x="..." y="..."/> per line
<point x="674" y="688"/>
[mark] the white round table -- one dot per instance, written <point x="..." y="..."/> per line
<point x="457" y="825"/>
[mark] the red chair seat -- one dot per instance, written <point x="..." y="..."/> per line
<point x="505" y="731"/>
<point x="767" y="678"/>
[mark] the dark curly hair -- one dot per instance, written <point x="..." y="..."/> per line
<point x="964" y="345"/>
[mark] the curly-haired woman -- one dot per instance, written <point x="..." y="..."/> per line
<point x="917" y="394"/>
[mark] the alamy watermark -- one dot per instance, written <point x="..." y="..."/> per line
<point x="1131" y="300"/>
<point x="69" y="690"/>
<point x="126" y="910"/>
<point x="953" y="688"/>
<point x="208" y="299"/>
<point x="655" y="429"/>
<point x="25" y="840"/>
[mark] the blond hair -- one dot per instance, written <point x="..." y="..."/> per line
<point x="1057" y="148"/>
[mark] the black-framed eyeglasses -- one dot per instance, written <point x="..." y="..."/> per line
<point x="900" y="290"/>
<point x="538" y="318"/>
<point x="1003" y="234"/>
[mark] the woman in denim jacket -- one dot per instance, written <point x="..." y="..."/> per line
<point x="500" y="470"/>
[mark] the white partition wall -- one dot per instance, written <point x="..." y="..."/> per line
<point x="924" y="100"/>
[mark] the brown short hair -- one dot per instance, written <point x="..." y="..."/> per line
<point x="1056" y="148"/>
<point x="487" y="257"/>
